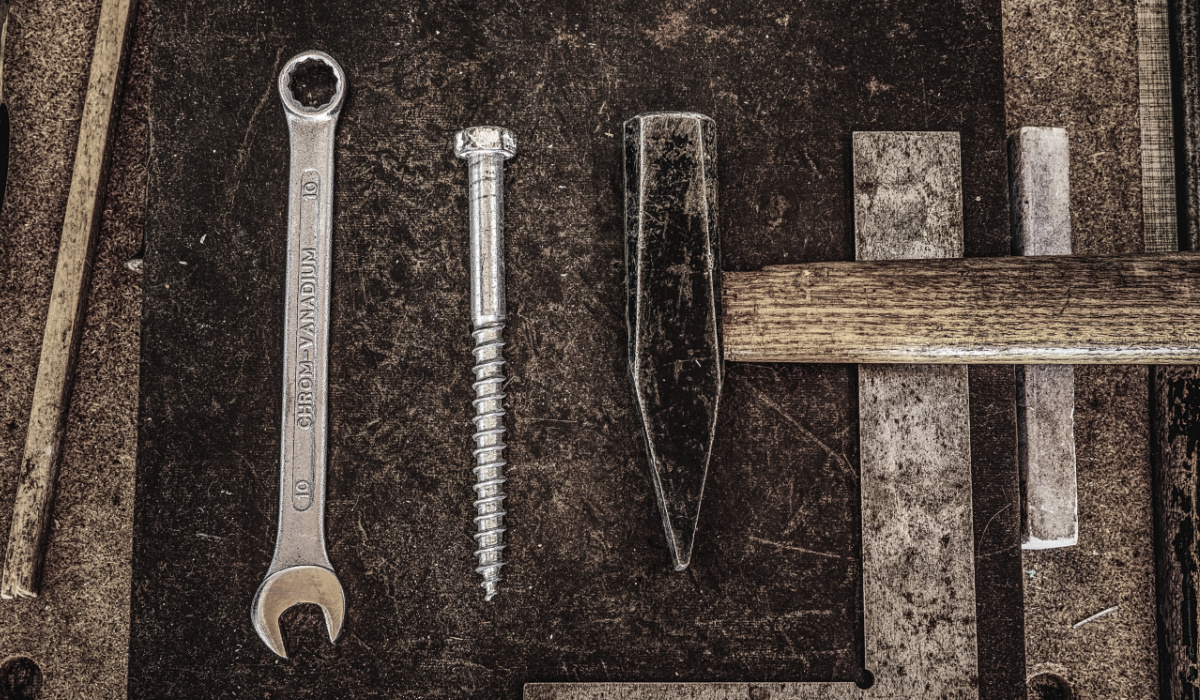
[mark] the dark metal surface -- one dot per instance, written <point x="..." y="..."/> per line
<point x="774" y="586"/>
<point x="673" y="278"/>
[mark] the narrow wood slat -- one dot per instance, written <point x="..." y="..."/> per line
<point x="1159" y="216"/>
<point x="1175" y="390"/>
<point x="915" y="440"/>
<point x="64" y="322"/>
<point x="1048" y="310"/>
<point x="1039" y="167"/>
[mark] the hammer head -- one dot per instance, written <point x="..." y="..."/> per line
<point x="674" y="311"/>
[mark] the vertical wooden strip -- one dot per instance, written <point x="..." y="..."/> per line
<point x="1175" y="406"/>
<point x="918" y="549"/>
<point x="1159" y="216"/>
<point x="64" y="321"/>
<point x="1185" y="101"/>
<point x="1040" y="207"/>
<point x="1174" y="390"/>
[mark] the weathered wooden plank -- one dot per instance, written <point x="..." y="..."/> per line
<point x="1051" y="310"/>
<point x="915" y="440"/>
<point x="64" y="322"/>
<point x="1040" y="207"/>
<point x="1175" y="403"/>
<point x="1184" y="25"/>
<point x="907" y="195"/>
<point x="1159" y="216"/>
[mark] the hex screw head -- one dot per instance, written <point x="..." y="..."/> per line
<point x="484" y="139"/>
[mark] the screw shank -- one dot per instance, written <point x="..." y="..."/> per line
<point x="486" y="192"/>
<point x="485" y="150"/>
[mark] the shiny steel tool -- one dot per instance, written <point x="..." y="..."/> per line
<point x="485" y="149"/>
<point x="300" y="570"/>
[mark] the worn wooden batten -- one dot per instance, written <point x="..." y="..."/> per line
<point x="1031" y="310"/>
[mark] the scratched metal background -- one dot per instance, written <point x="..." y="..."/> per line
<point x="774" y="589"/>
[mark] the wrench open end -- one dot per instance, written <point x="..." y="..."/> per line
<point x="293" y="586"/>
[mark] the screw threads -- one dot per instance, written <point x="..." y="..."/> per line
<point x="489" y="458"/>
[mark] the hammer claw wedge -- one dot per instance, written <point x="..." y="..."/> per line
<point x="674" y="308"/>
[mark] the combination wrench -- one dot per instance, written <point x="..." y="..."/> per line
<point x="300" y="570"/>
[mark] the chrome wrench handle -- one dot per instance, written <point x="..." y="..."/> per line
<point x="300" y="570"/>
<point x="301" y="539"/>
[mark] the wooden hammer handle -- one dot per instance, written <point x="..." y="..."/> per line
<point x="1026" y="310"/>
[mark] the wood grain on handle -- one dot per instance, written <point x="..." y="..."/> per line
<point x="64" y="322"/>
<point x="1028" y="310"/>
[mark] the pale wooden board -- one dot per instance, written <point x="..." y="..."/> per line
<point x="1046" y="425"/>
<point x="915" y="438"/>
<point x="907" y="195"/>
<point x="1040" y="199"/>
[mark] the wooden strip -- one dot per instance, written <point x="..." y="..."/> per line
<point x="915" y="440"/>
<point x="1175" y="407"/>
<point x="1185" y="98"/>
<point x="1053" y="310"/>
<point x="1175" y="396"/>
<point x="1040" y="206"/>
<point x="64" y="322"/>
<point x="1159" y="216"/>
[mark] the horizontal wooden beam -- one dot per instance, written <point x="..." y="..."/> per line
<point x="1022" y="310"/>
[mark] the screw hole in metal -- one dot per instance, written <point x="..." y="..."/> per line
<point x="865" y="680"/>
<point x="20" y="679"/>
<point x="1050" y="686"/>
